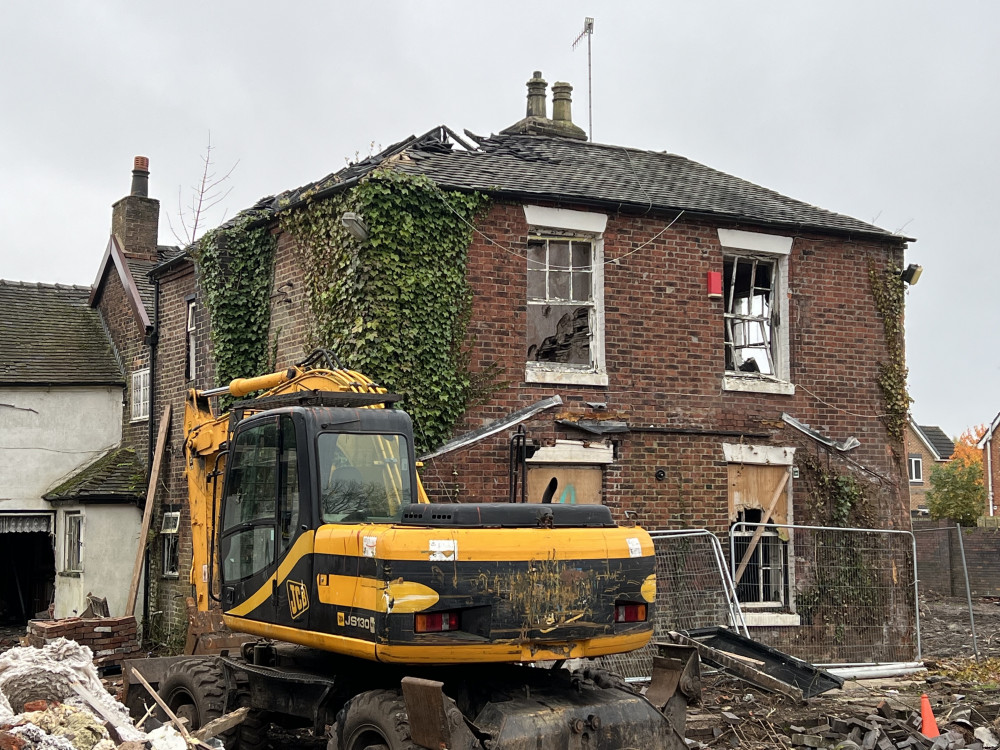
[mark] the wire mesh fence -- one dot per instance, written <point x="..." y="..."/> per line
<point x="829" y="595"/>
<point x="693" y="590"/>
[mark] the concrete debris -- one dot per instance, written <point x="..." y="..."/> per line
<point x="51" y="698"/>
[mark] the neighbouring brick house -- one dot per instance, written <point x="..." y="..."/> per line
<point x="715" y="347"/>
<point x="990" y="447"/>
<point x="926" y="447"/>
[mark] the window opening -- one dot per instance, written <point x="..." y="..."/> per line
<point x="170" y="553"/>
<point x="561" y="307"/>
<point x="916" y="469"/>
<point x="74" y="542"/>
<point x="189" y="370"/>
<point x="750" y="314"/>
<point x="765" y="579"/>
<point x="140" y="395"/>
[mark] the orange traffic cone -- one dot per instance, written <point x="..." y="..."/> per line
<point x="928" y="724"/>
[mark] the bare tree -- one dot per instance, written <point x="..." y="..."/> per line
<point x="205" y="195"/>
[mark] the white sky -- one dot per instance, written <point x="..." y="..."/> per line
<point x="885" y="110"/>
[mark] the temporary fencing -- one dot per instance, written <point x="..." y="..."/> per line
<point x="693" y="590"/>
<point x="830" y="595"/>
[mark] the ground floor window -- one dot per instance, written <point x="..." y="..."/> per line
<point x="73" y="558"/>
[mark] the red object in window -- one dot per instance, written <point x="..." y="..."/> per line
<point x="715" y="285"/>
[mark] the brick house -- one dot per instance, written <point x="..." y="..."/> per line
<point x="714" y="345"/>
<point x="926" y="447"/>
<point x="988" y="444"/>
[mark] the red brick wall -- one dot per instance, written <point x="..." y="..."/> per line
<point x="939" y="558"/>
<point x="135" y="221"/>
<point x="127" y="335"/>
<point x="664" y="352"/>
<point x="991" y="469"/>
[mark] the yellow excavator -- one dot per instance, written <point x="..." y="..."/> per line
<point x="390" y="621"/>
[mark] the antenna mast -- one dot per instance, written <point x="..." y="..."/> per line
<point x="588" y="31"/>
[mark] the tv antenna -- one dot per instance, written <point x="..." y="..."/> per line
<point x="588" y="31"/>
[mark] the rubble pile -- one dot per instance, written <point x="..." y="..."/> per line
<point x="863" y="716"/>
<point x="51" y="698"/>
<point x="111" y="639"/>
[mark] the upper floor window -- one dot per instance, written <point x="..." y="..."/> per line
<point x="755" y="311"/>
<point x="192" y="329"/>
<point x="916" y="469"/>
<point x="565" y="297"/>
<point x="140" y="395"/>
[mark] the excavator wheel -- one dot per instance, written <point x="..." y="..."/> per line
<point x="375" y="720"/>
<point x="194" y="689"/>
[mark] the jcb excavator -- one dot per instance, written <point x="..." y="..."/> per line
<point x="396" y="621"/>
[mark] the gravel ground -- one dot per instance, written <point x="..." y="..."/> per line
<point x="946" y="632"/>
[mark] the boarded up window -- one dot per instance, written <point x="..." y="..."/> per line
<point x="751" y="487"/>
<point x="765" y="581"/>
<point x="576" y="485"/>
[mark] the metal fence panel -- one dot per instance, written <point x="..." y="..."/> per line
<point x="693" y="590"/>
<point x="853" y="591"/>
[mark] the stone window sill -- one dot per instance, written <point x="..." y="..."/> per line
<point x="757" y="385"/>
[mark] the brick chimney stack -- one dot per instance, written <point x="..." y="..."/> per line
<point x="135" y="218"/>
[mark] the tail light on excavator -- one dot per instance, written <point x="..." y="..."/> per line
<point x="435" y="622"/>
<point x="630" y="612"/>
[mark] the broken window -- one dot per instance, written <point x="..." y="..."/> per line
<point x="74" y="543"/>
<point x="751" y="316"/>
<point x="765" y="578"/>
<point x="561" y="309"/>
<point x="170" y="560"/>
<point x="140" y="395"/>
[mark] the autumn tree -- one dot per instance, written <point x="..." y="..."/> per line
<point x="957" y="488"/>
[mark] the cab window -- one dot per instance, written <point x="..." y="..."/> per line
<point x="363" y="477"/>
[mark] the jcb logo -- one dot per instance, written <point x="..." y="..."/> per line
<point x="298" y="598"/>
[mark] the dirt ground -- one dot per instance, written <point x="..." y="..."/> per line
<point x="733" y="714"/>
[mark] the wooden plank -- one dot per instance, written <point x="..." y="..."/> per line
<point x="217" y="726"/>
<point x="760" y="529"/>
<point x="162" y="704"/>
<point x="147" y="513"/>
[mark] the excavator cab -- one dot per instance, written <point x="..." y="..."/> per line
<point x="291" y="471"/>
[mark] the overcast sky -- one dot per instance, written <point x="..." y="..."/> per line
<point x="885" y="111"/>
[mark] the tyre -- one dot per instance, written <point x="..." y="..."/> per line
<point x="194" y="689"/>
<point x="375" y="720"/>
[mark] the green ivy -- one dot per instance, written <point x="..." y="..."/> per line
<point x="889" y="292"/>
<point x="838" y="499"/>
<point x="236" y="263"/>
<point x="396" y="305"/>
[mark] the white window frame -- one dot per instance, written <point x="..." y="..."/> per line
<point x="140" y="395"/>
<point x="73" y="542"/>
<point x="559" y="223"/>
<point x="192" y="344"/>
<point x="776" y="249"/>
<point x="170" y="553"/>
<point x="915" y="461"/>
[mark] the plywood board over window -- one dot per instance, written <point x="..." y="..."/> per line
<point x="576" y="485"/>
<point x="751" y="487"/>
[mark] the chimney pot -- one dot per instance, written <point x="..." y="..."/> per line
<point x="140" y="177"/>
<point x="562" y="97"/>
<point x="536" y="95"/>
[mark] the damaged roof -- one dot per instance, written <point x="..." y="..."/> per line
<point x="50" y="335"/>
<point x="539" y="167"/>
<point x="116" y="477"/>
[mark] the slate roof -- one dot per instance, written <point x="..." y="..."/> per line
<point x="50" y="335"/>
<point x="116" y="477"/>
<point x="550" y="168"/>
<point x="942" y="444"/>
<point x="140" y="274"/>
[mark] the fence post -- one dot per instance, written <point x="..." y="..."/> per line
<point x="968" y="590"/>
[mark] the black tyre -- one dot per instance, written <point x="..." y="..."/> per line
<point x="194" y="689"/>
<point x="375" y="720"/>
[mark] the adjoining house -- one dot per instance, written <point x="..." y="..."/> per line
<point x="689" y="348"/>
<point x="69" y="519"/>
<point x="988" y="444"/>
<point x="926" y="447"/>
